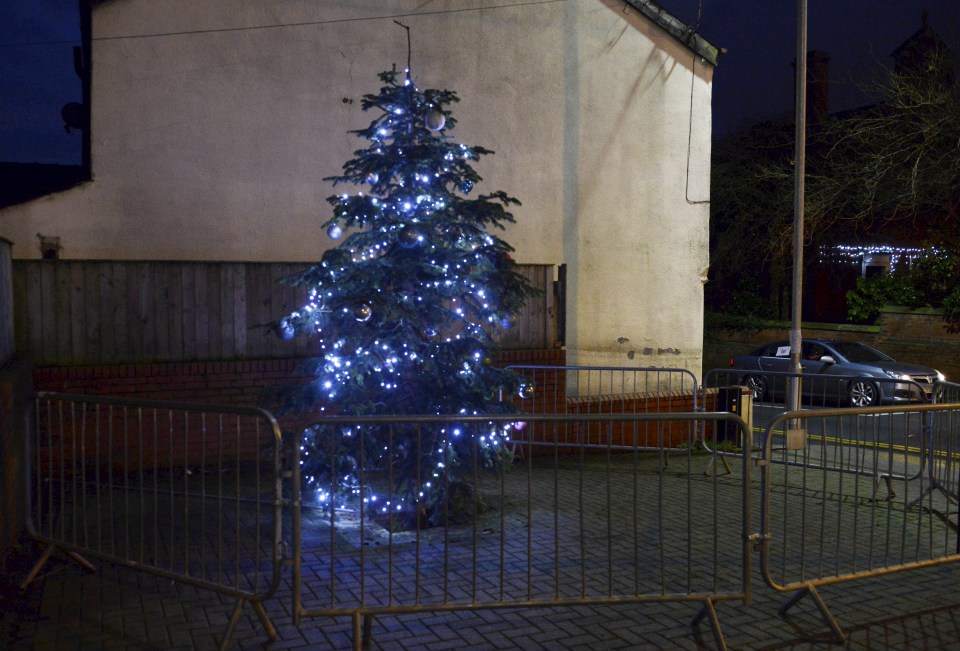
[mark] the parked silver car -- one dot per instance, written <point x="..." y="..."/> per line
<point x="836" y="370"/>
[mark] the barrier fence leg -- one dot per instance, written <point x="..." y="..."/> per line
<point x="883" y="479"/>
<point x="710" y="612"/>
<point x="712" y="465"/>
<point x="232" y="624"/>
<point x="235" y="618"/>
<point x="81" y="561"/>
<point x="45" y="556"/>
<point x="358" y="620"/>
<point x="367" y="631"/>
<point x="821" y="606"/>
<point x="268" y="626"/>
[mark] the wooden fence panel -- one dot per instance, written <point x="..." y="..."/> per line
<point x="68" y="312"/>
<point x="89" y="291"/>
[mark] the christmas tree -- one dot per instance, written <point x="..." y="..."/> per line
<point x="404" y="310"/>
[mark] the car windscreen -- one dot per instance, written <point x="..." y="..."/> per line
<point x="859" y="353"/>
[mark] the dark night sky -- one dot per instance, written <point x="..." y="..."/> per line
<point x="754" y="78"/>
<point x="36" y="79"/>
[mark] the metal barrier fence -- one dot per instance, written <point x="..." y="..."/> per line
<point x="603" y="526"/>
<point x="767" y="392"/>
<point x="189" y="492"/>
<point x="586" y="512"/>
<point x="939" y="463"/>
<point x="821" y="522"/>
<point x="947" y="393"/>
<point x="593" y="390"/>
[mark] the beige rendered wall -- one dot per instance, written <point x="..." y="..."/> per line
<point x="215" y="121"/>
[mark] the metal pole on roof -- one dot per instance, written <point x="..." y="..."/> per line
<point x="796" y="339"/>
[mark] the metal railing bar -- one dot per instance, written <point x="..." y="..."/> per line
<point x="556" y="549"/>
<point x="104" y="458"/>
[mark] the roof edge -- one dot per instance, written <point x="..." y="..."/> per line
<point x="677" y="29"/>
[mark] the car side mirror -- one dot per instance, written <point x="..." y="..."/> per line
<point x="827" y="359"/>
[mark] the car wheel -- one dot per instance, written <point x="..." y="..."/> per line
<point x="863" y="394"/>
<point x="757" y="386"/>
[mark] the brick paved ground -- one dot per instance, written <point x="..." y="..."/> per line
<point x="118" y="608"/>
<point x="121" y="609"/>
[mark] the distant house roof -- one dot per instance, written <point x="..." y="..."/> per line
<point x="677" y="29"/>
<point x="21" y="182"/>
<point x="923" y="39"/>
<point x="914" y="55"/>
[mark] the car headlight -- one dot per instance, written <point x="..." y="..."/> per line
<point x="941" y="377"/>
<point x="896" y="375"/>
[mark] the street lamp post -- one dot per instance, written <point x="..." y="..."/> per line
<point x="796" y="436"/>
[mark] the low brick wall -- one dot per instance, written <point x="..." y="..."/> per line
<point x="244" y="382"/>
<point x="238" y="383"/>
<point x="655" y="434"/>
<point x="920" y="337"/>
<point x="651" y="435"/>
<point x="228" y="382"/>
<point x="212" y="382"/>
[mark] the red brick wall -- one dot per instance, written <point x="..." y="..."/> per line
<point x="920" y="337"/>
<point x="216" y="382"/>
<point x="644" y="434"/>
<point x="97" y="440"/>
<point x="651" y="434"/>
<point x="242" y="382"/>
<point x="212" y="382"/>
<point x="231" y="383"/>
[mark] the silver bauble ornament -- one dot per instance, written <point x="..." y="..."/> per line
<point x="285" y="330"/>
<point x="362" y="313"/>
<point x="525" y="391"/>
<point x="334" y="232"/>
<point x="408" y="237"/>
<point x="434" y="120"/>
